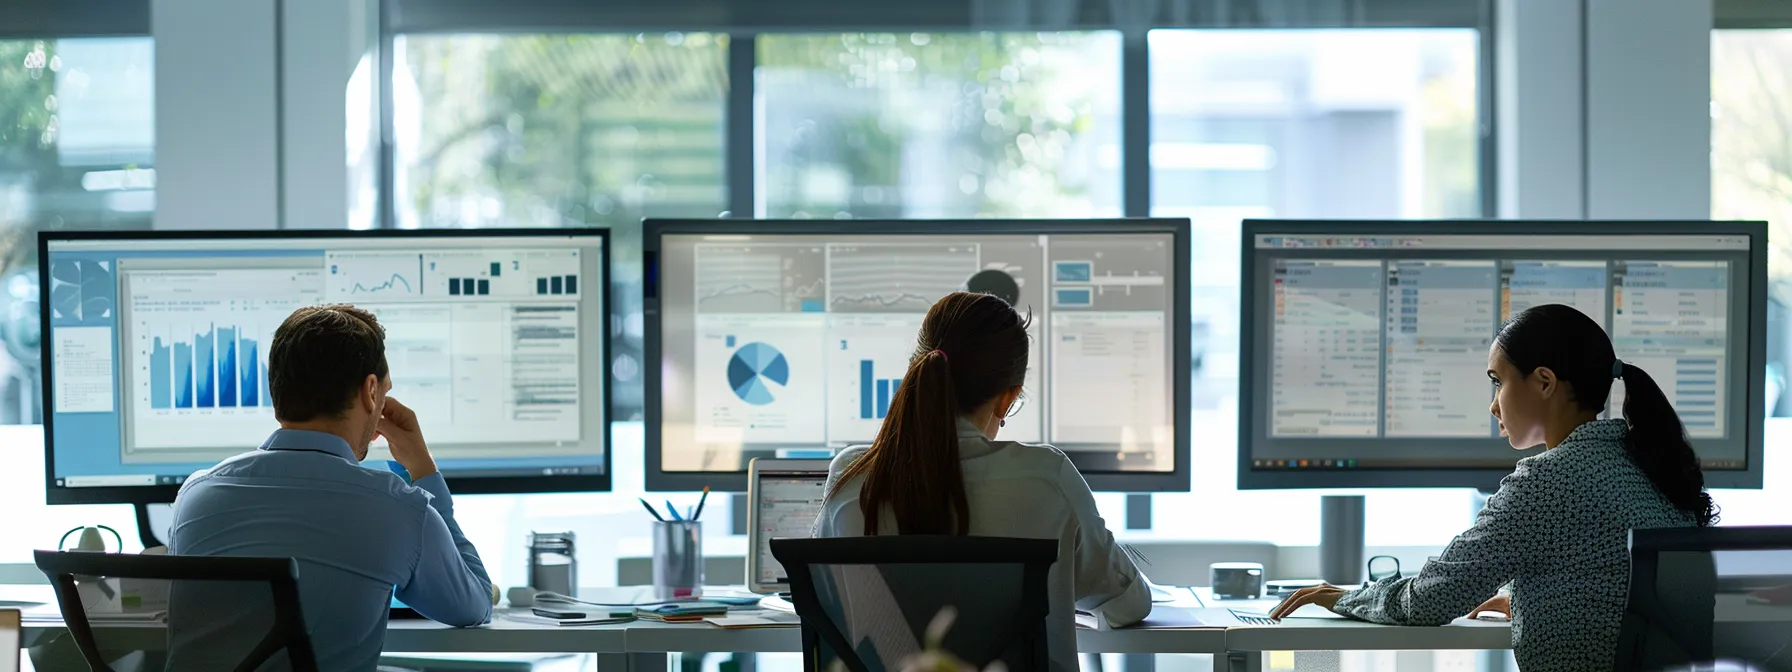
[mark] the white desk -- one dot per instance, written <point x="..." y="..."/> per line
<point x="643" y="645"/>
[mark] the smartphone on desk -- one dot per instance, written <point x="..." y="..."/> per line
<point x="557" y="614"/>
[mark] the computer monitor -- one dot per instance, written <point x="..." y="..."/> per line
<point x="1364" y="344"/>
<point x="787" y="339"/>
<point x="786" y="498"/>
<point x="156" y="345"/>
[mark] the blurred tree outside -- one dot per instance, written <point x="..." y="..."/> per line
<point x="601" y="129"/>
<point x="27" y="141"/>
<point x="1751" y="138"/>
<point x="566" y="130"/>
<point x="1751" y="167"/>
<point x="1007" y="111"/>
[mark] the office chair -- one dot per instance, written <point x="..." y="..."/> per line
<point x="280" y="574"/>
<point x="1708" y="596"/>
<point x="866" y="602"/>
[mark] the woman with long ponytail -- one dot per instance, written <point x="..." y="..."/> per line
<point x="936" y="468"/>
<point x="1557" y="531"/>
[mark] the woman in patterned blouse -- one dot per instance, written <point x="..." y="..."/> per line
<point x="1557" y="528"/>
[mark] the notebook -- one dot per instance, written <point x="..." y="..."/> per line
<point x="682" y="612"/>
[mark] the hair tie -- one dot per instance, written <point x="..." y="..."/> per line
<point x="941" y="353"/>
<point x="1618" y="369"/>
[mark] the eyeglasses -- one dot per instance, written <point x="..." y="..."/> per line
<point x="1383" y="566"/>
<point x="1014" y="408"/>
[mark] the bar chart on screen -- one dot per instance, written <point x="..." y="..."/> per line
<point x="197" y="363"/>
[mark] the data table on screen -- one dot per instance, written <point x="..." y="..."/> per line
<point x="1372" y="341"/>
<point x="1326" y="348"/>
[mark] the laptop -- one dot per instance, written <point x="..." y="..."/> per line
<point x="11" y="638"/>
<point x="784" y="499"/>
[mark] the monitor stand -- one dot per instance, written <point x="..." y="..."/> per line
<point x="152" y="526"/>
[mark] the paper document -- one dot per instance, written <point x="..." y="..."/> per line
<point x="763" y="618"/>
<point x="532" y="619"/>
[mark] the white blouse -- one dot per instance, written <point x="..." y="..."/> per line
<point x="1025" y="491"/>
<point x="1557" y="529"/>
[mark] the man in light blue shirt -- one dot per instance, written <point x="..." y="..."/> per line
<point x="357" y="533"/>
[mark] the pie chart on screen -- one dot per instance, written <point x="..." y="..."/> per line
<point x="754" y="370"/>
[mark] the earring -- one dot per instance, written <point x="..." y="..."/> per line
<point x="1002" y="423"/>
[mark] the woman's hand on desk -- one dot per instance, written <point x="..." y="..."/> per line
<point x="1324" y="596"/>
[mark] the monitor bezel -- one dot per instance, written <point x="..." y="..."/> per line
<point x="653" y="230"/>
<point x="1486" y="479"/>
<point x="164" y="494"/>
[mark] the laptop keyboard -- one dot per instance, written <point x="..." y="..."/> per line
<point x="1249" y="618"/>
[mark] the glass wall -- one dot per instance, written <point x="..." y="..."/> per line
<point x="1751" y="166"/>
<point x="929" y="125"/>
<point x="77" y="151"/>
<point x="1324" y="124"/>
<point x="563" y="131"/>
<point x="1751" y="178"/>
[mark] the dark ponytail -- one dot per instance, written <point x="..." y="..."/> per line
<point x="972" y="347"/>
<point x="1567" y="342"/>
<point x="1658" y="444"/>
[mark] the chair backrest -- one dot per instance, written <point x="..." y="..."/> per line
<point x="280" y="574"/>
<point x="867" y="602"/>
<point x="1703" y="596"/>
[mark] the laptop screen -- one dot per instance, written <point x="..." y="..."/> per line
<point x="789" y="503"/>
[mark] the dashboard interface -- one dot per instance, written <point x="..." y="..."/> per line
<point x="792" y="345"/>
<point x="158" y="347"/>
<point x="1372" y="348"/>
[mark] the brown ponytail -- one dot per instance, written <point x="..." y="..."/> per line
<point x="972" y="347"/>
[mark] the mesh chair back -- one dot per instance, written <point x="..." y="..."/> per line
<point x="867" y="602"/>
<point x="280" y="575"/>
<point x="1708" y="598"/>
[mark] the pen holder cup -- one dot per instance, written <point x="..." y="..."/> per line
<point x="677" y="560"/>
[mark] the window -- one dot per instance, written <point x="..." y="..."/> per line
<point x="564" y="130"/>
<point x="1751" y="178"/>
<point x="870" y="125"/>
<point x="1751" y="167"/>
<point x="77" y="151"/>
<point x="1326" y="124"/>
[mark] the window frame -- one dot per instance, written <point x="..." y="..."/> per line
<point x="90" y="18"/>
<point x="744" y="20"/>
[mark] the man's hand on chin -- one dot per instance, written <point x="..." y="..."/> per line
<point x="398" y="423"/>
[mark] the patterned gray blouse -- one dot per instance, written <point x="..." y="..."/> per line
<point x="1557" y="529"/>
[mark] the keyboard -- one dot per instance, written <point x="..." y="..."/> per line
<point x="1249" y="618"/>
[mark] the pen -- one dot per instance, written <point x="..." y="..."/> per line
<point x="650" y="511"/>
<point x="700" y="502"/>
<point x="674" y="511"/>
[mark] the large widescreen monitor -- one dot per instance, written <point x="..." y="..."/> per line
<point x="156" y="345"/>
<point x="1365" y="343"/>
<point x="786" y="339"/>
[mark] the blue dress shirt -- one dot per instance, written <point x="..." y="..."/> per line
<point x="357" y="534"/>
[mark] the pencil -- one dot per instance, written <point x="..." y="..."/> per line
<point x="650" y="511"/>
<point x="700" y="502"/>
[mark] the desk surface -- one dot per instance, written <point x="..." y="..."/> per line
<point x="1336" y="633"/>
<point x="504" y="635"/>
